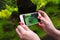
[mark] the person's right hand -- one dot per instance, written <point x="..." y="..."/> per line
<point x="47" y="25"/>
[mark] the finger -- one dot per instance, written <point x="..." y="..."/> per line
<point x="21" y="29"/>
<point x="18" y="33"/>
<point x="40" y="25"/>
<point x="21" y="23"/>
<point x="43" y="13"/>
<point x="24" y="26"/>
<point x="39" y="17"/>
<point x="43" y="19"/>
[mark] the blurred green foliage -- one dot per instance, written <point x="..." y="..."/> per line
<point x="9" y="21"/>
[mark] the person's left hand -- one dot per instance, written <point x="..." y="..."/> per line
<point x="25" y="33"/>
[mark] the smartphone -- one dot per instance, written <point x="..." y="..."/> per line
<point x="30" y="18"/>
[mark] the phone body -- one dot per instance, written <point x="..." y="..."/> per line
<point x="30" y="18"/>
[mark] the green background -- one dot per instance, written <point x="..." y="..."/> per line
<point x="9" y="17"/>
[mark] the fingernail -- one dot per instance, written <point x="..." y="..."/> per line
<point x="39" y="16"/>
<point x="21" y="23"/>
<point x="40" y="25"/>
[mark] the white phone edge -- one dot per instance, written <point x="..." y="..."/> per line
<point x="21" y="19"/>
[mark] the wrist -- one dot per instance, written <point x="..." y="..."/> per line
<point x="53" y="32"/>
<point x="56" y="34"/>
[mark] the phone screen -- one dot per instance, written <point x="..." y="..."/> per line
<point x="31" y="18"/>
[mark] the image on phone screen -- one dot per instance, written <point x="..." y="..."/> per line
<point x="31" y="19"/>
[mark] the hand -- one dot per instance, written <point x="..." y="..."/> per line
<point x="47" y="25"/>
<point x="25" y="33"/>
